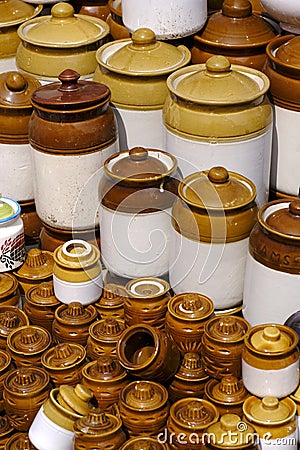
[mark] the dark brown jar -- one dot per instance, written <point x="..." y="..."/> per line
<point x="6" y="365"/>
<point x="111" y="302"/>
<point x="9" y="290"/>
<point x="103" y="338"/>
<point x="11" y="317"/>
<point x="115" y="21"/>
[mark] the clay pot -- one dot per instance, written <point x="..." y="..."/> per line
<point x="103" y="337"/>
<point x="6" y="364"/>
<point x="6" y="431"/>
<point x="9" y="290"/>
<point x="32" y="224"/>
<point x="111" y="302"/>
<point x="115" y="21"/>
<point x="11" y="318"/>
<point x="185" y="320"/>
<point x="51" y="238"/>
<point x="95" y="8"/>
<point x="19" y="440"/>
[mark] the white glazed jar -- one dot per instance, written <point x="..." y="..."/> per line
<point x="12" y="240"/>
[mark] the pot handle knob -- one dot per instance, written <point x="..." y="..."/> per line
<point x="237" y="8"/>
<point x="69" y="81"/>
<point x="15" y="82"/>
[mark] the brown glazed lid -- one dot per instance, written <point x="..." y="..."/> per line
<point x="112" y="296"/>
<point x="147" y="287"/>
<point x="193" y="413"/>
<point x="42" y="295"/>
<point x="97" y="423"/>
<point x="13" y="12"/>
<point x="8" y="285"/>
<point x="11" y="317"/>
<point x="191" y="368"/>
<point x="229" y="390"/>
<point x="63" y="356"/>
<point x="191" y="306"/>
<point x="38" y="265"/>
<point x="227" y="329"/>
<point x="108" y="329"/>
<point x="269" y="410"/>
<point x="285" y="221"/>
<point x="289" y="52"/>
<point x="16" y="89"/>
<point x="29" y="339"/>
<point x="271" y="339"/>
<point x="144" y="395"/>
<point x="26" y="381"/>
<point x="75" y="313"/>
<point x="105" y="368"/>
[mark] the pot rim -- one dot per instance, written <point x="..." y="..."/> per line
<point x="38" y="8"/>
<point x="263" y="214"/>
<point x="276" y="64"/>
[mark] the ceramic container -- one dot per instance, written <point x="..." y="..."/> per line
<point x="222" y="346"/>
<point x="111" y="302"/>
<point x="203" y="100"/>
<point x="71" y="323"/>
<point x="19" y="440"/>
<point x="6" y="431"/>
<point x="32" y="223"/>
<point x="235" y="32"/>
<point x="62" y="40"/>
<point x="9" y="290"/>
<point x="25" y="390"/>
<point x="286" y="13"/>
<point x="272" y="266"/>
<point x="105" y="377"/>
<point x="72" y="130"/>
<point x="147" y="353"/>
<point x="95" y="8"/>
<point x="186" y="317"/>
<point x="6" y="364"/>
<point x="141" y="442"/>
<point x="77" y="272"/>
<point x="144" y="408"/>
<point x="12" y="239"/>
<point x="146" y="302"/>
<point x="274" y="421"/>
<point x="282" y="68"/>
<point x="115" y="21"/>
<point x="270" y="360"/>
<point x="137" y="191"/>
<point x="168" y="21"/>
<point x="136" y="70"/>
<point x="11" y="317"/>
<point x="103" y="337"/>
<point x="211" y="222"/>
<point x="50" y="238"/>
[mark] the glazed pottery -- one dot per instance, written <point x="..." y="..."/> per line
<point x="168" y="20"/>
<point x="147" y="353"/>
<point x="51" y="238"/>
<point x="115" y="21"/>
<point x="136" y="70"/>
<point x="222" y="346"/>
<point x="218" y="113"/>
<point x="25" y="390"/>
<point x="6" y="364"/>
<point x="64" y="362"/>
<point x="12" y="239"/>
<point x="211" y="222"/>
<point x="282" y="68"/>
<point x="11" y="317"/>
<point x="141" y="443"/>
<point x="95" y="8"/>
<point x="32" y="223"/>
<point x="111" y="302"/>
<point x="6" y="431"/>
<point x="62" y="40"/>
<point x="72" y="130"/>
<point x="146" y="301"/>
<point x="287" y="13"/>
<point x="137" y="191"/>
<point x="274" y="421"/>
<point x="77" y="272"/>
<point x="103" y="337"/>
<point x="9" y="290"/>
<point x="186" y="317"/>
<point x="295" y="396"/>
<point x="105" y="377"/>
<point x="270" y="360"/>
<point x="235" y="32"/>
<point x="19" y="440"/>
<point x="98" y="430"/>
<point x="144" y="408"/>
<point x="272" y="268"/>
<point x="189" y="380"/>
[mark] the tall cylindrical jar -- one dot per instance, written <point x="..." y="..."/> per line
<point x="72" y="131"/>
<point x="218" y="114"/>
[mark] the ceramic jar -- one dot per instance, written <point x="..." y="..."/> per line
<point x="71" y="323"/>
<point x="147" y="302"/>
<point x="136" y="70"/>
<point x="50" y="238"/>
<point x="72" y="130"/>
<point x="186" y="317"/>
<point x="222" y="346"/>
<point x="77" y="272"/>
<point x="274" y="421"/>
<point x="6" y="364"/>
<point x="62" y="40"/>
<point x="32" y="224"/>
<point x="6" y="431"/>
<point x="103" y="337"/>
<point x="9" y="290"/>
<point x="235" y="32"/>
<point x="19" y="440"/>
<point x="25" y="390"/>
<point x="11" y="317"/>
<point x="111" y="302"/>
<point x="282" y="68"/>
<point x="211" y="222"/>
<point x="270" y="360"/>
<point x="95" y="8"/>
<point x="141" y="443"/>
<point x="203" y="100"/>
<point x="137" y="191"/>
<point x="272" y="266"/>
<point x="98" y="430"/>
<point x="148" y="353"/>
<point x="115" y="20"/>
<point x="144" y="408"/>
<point x="287" y="14"/>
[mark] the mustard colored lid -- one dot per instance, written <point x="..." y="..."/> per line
<point x="296" y="395"/>
<point x="38" y="265"/>
<point x="105" y="369"/>
<point x="228" y="426"/>
<point x="26" y="380"/>
<point x="269" y="410"/>
<point x="191" y="368"/>
<point x="289" y="52"/>
<point x="29" y="339"/>
<point x="75" y="399"/>
<point x="13" y="12"/>
<point x="270" y="339"/>
<point x="74" y="314"/>
<point x="42" y="294"/>
<point x="147" y="287"/>
<point x="76" y="254"/>
<point x="16" y="89"/>
<point x="63" y="28"/>
<point x="286" y="220"/>
<point x="8" y="285"/>
<point x="191" y="306"/>
<point x="227" y="329"/>
<point x="144" y="395"/>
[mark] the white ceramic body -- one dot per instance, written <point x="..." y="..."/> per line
<point x="286" y="12"/>
<point x="270" y="296"/>
<point x="66" y="187"/>
<point x="86" y="293"/>
<point x="12" y="240"/>
<point x="285" y="163"/>
<point x="139" y="128"/>
<point x="215" y="270"/>
<point x="135" y="245"/>
<point x="277" y="383"/>
<point x="47" y="435"/>
<point x="168" y="19"/>
<point x="249" y="157"/>
<point x="8" y="64"/>
<point x="16" y="172"/>
<point x="289" y="442"/>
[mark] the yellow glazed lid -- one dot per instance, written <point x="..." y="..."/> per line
<point x="38" y="265"/>
<point x="269" y="410"/>
<point x="13" y="12"/>
<point x="76" y="254"/>
<point x="270" y="339"/>
<point x="16" y="89"/>
<point x="8" y="285"/>
<point x="230" y="432"/>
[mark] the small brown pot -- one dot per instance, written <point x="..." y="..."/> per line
<point x="11" y="317"/>
<point x="103" y="338"/>
<point x="111" y="302"/>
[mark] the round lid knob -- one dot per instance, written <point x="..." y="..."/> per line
<point x="108" y="327"/>
<point x="237" y="8"/>
<point x="96" y="423"/>
<point x="218" y="175"/>
<point x="76" y="399"/>
<point x="190" y="306"/>
<point x="16" y="82"/>
<point x="228" y="426"/>
<point x="229" y="421"/>
<point x="62" y="10"/>
<point x="144" y="395"/>
<point x="191" y="368"/>
<point x="229" y="390"/>
<point x="143" y="37"/>
<point x="217" y="64"/>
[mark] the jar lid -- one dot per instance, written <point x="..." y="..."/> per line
<point x="217" y="189"/>
<point x="227" y="427"/>
<point x="26" y="380"/>
<point x="37" y="265"/>
<point x="19" y="440"/>
<point x="191" y="368"/>
<point x="147" y="287"/>
<point x="191" y="306"/>
<point x="29" y="339"/>
<point x="8" y="285"/>
<point x="42" y="294"/>
<point x="63" y="356"/>
<point x="75" y="399"/>
<point x="269" y="410"/>
<point x="77" y="254"/>
<point x="271" y="339"/>
<point x="7" y="209"/>
<point x="112" y="296"/>
<point x="108" y="329"/>
<point x="13" y="12"/>
<point x="227" y="329"/>
<point x="11" y="317"/>
<point x="289" y="52"/>
<point x="63" y="28"/>
<point x="143" y="55"/>
<point x="194" y="413"/>
<point x="284" y="220"/>
<point x="229" y="390"/>
<point x="75" y="313"/>
<point x="16" y="89"/>
<point x="144" y="395"/>
<point x="104" y="368"/>
<point x="97" y="423"/>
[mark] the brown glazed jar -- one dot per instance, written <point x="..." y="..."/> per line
<point x="144" y="408"/>
<point x="98" y="430"/>
<point x="6" y="431"/>
<point x="71" y="323"/>
<point x="32" y="223"/>
<point x="19" y="441"/>
<point x="64" y="362"/>
<point x="222" y="346"/>
<point x="11" y="317"/>
<point x="111" y="302"/>
<point x="40" y="304"/>
<point x="185" y="320"/>
<point x="95" y="8"/>
<point x="189" y="380"/>
<point x="148" y="353"/>
<point x="25" y="390"/>
<point x="144" y="443"/>
<point x="237" y="33"/>
<point x="6" y="365"/>
<point x="103" y="337"/>
<point x="51" y="238"/>
<point x="146" y="302"/>
<point x="105" y="377"/>
<point x="115" y="21"/>
<point x="9" y="290"/>
<point x="27" y="344"/>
